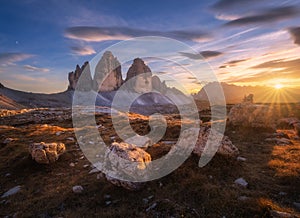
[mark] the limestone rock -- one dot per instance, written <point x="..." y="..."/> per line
<point x="241" y="182"/>
<point x="139" y="77"/>
<point x="159" y="86"/>
<point x="141" y="141"/>
<point x="84" y="74"/>
<point x="45" y="153"/>
<point x="252" y="115"/>
<point x="129" y="160"/>
<point x="108" y="75"/>
<point x="77" y="189"/>
<point x="225" y="148"/>
<point x="11" y="191"/>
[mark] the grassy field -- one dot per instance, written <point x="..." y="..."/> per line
<point x="272" y="171"/>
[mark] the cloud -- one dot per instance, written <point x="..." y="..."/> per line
<point x="232" y="63"/>
<point x="201" y="55"/>
<point x="225" y="4"/>
<point x="35" y="69"/>
<point x="295" y="32"/>
<point x="97" y="34"/>
<point x="11" y="58"/>
<point x="82" y="51"/>
<point x="270" y="15"/>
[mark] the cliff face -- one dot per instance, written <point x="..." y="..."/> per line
<point x="86" y="79"/>
<point x="139" y="77"/>
<point x="108" y="75"/>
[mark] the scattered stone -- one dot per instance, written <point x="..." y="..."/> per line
<point x="81" y="157"/>
<point x="72" y="164"/>
<point x="279" y="141"/>
<point x="86" y="166"/>
<point x="282" y="193"/>
<point x="95" y="170"/>
<point x="243" y="198"/>
<point x="77" y="189"/>
<point x="141" y="141"/>
<point x="126" y="159"/>
<point x="8" y="140"/>
<point x="58" y="133"/>
<point x="70" y="139"/>
<point x="239" y="158"/>
<point x="11" y="191"/>
<point x="107" y="197"/>
<point x="152" y="206"/>
<point x="45" y="153"/>
<point x="279" y="214"/>
<point x="242" y="182"/>
<point x="7" y="175"/>
<point x="107" y="203"/>
<point x="210" y="177"/>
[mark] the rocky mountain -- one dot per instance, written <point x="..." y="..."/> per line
<point x="262" y="94"/>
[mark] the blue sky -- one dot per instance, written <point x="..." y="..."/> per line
<point x="246" y="42"/>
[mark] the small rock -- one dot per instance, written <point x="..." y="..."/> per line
<point x="95" y="170"/>
<point x="151" y="207"/>
<point x="107" y="197"/>
<point x="58" y="133"/>
<point x="7" y="174"/>
<point x="72" y="164"/>
<point x="77" y="189"/>
<point x="242" y="182"/>
<point x="107" y="203"/>
<point x="239" y="158"/>
<point x="210" y="177"/>
<point x="160" y="184"/>
<point x="243" y="198"/>
<point x="45" y="153"/>
<point x="86" y="166"/>
<point x="8" y="140"/>
<point x="145" y="200"/>
<point x="282" y="193"/>
<point x="279" y="214"/>
<point x="81" y="157"/>
<point x="11" y="191"/>
<point x="70" y="139"/>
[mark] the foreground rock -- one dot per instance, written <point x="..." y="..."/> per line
<point x="126" y="160"/>
<point x="252" y="115"/>
<point x="46" y="153"/>
<point x="225" y="148"/>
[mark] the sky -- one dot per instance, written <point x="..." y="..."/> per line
<point x="245" y="42"/>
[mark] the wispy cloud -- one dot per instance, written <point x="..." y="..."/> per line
<point x="201" y="55"/>
<point x="35" y="69"/>
<point x="269" y="15"/>
<point x="83" y="50"/>
<point x="12" y="58"/>
<point x="295" y="32"/>
<point x="232" y="63"/>
<point x="225" y="4"/>
<point x="97" y="34"/>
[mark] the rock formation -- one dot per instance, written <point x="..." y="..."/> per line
<point x="108" y="75"/>
<point x="117" y="159"/>
<point x="159" y="86"/>
<point x="85" y="81"/>
<point x="45" y="153"/>
<point x="139" y="77"/>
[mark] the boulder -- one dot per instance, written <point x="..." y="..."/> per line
<point x="225" y="148"/>
<point x="126" y="160"/>
<point x="45" y="153"/>
<point x="252" y="115"/>
<point x="108" y="75"/>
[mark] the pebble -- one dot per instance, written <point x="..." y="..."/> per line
<point x="72" y="164"/>
<point x="282" y="193"/>
<point x="242" y="182"/>
<point x="107" y="197"/>
<point x="8" y="140"/>
<point x="58" y="133"/>
<point x="77" y="189"/>
<point x="86" y="166"/>
<point x="95" y="170"/>
<point x="70" y="139"/>
<point x="151" y="207"/>
<point x="239" y="158"/>
<point x="279" y="214"/>
<point x="11" y="191"/>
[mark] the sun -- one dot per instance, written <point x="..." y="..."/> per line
<point x="278" y="86"/>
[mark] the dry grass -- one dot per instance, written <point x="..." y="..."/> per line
<point x="189" y="191"/>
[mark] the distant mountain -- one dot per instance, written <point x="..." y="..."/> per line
<point x="262" y="94"/>
<point x="7" y="103"/>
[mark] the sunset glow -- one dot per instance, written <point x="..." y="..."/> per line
<point x="278" y="86"/>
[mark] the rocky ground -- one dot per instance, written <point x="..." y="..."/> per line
<point x="262" y="181"/>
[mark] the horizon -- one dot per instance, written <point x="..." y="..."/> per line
<point x="237" y="39"/>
